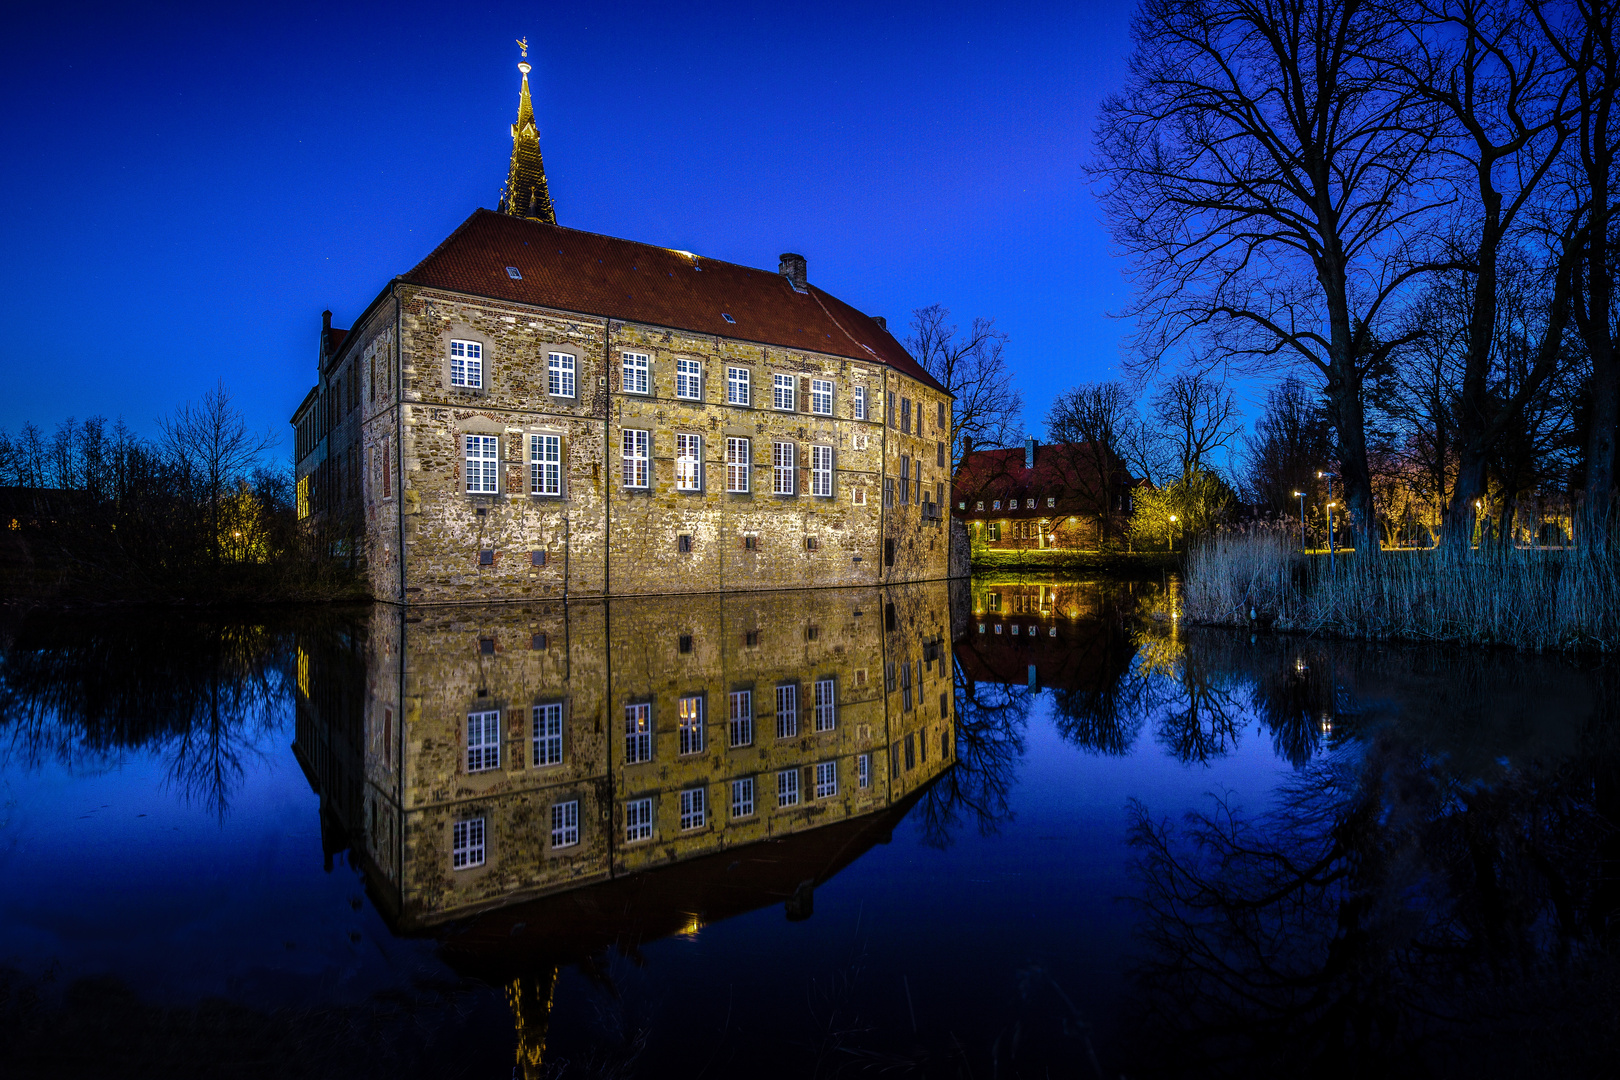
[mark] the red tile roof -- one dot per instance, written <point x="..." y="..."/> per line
<point x="1066" y="472"/>
<point x="604" y="276"/>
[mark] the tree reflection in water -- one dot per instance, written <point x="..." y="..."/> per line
<point x="199" y="692"/>
<point x="991" y="721"/>
<point x="1434" y="895"/>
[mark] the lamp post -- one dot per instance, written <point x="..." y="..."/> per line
<point x="1170" y="534"/>
<point x="1301" y="497"/>
<point x="1332" y="567"/>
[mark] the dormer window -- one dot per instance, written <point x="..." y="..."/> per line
<point x="514" y="273"/>
<point x="1029" y="504"/>
<point x="1050" y="502"/>
<point x="996" y="505"/>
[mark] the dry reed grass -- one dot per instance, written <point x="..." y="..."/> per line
<point x="1528" y="598"/>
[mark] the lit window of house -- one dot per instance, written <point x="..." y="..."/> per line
<point x="783" y="390"/>
<point x="784" y="462"/>
<point x="483" y="741"/>
<point x="689" y="379"/>
<point x="565" y="824"/>
<point x="737" y="388"/>
<point x="691" y="724"/>
<point x="560" y="374"/>
<point x="638" y="820"/>
<point x="738" y="464"/>
<point x="787" y="787"/>
<point x="821" y="470"/>
<point x="635" y="372"/>
<point x="545" y="465"/>
<point x="467" y="844"/>
<point x="637" y="733"/>
<point x="466" y="364"/>
<point x="548" y="721"/>
<point x="483" y="465"/>
<point x="636" y="458"/>
<point x="688" y="463"/>
<point x="821" y="397"/>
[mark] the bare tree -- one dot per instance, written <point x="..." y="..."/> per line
<point x="1265" y="173"/>
<point x="1288" y="447"/>
<point x="973" y="367"/>
<point x="1586" y="36"/>
<point x="1088" y="423"/>
<point x="1196" y="416"/>
<point x="210" y="445"/>
<point x="1504" y="99"/>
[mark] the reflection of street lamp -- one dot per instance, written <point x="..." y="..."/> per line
<point x="1301" y="495"/>
<point x="1170" y="533"/>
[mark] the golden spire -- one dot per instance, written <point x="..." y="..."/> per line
<point x="526" y="194"/>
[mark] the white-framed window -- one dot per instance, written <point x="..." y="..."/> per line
<point x="826" y="704"/>
<point x="821" y="470"/>
<point x="637" y="733"/>
<point x="996" y="505"/>
<point x="821" y="397"/>
<point x="545" y="465"/>
<point x="483" y="464"/>
<point x="565" y="824"/>
<point x="467" y="364"/>
<point x="740" y="717"/>
<point x="635" y="372"/>
<point x="689" y="379"/>
<point x="694" y="809"/>
<point x="863" y="770"/>
<point x="739" y="464"/>
<point x="737" y="388"/>
<point x="467" y="844"/>
<point x="742" y="797"/>
<point x="691" y="724"/>
<point x="787" y="787"/>
<point x="688" y="462"/>
<point x="787" y="710"/>
<point x="1029" y="504"/>
<point x="1051" y="501"/>
<point x="637" y="458"/>
<point x="548" y="723"/>
<point x="826" y="779"/>
<point x="784" y="463"/>
<point x="483" y="741"/>
<point x="560" y="374"/>
<point x="638" y="820"/>
<point x="859" y="403"/>
<point x="784" y="390"/>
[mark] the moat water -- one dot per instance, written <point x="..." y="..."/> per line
<point x="1058" y="834"/>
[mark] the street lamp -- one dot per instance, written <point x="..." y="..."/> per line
<point x="1332" y="567"/>
<point x="1301" y="496"/>
<point x="1170" y="533"/>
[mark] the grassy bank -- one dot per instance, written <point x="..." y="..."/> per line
<point x="1114" y="561"/>
<point x="1528" y="598"/>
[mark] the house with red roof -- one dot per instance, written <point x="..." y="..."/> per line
<point x="534" y="410"/>
<point x="1062" y="496"/>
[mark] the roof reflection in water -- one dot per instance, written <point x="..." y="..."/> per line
<point x="537" y="783"/>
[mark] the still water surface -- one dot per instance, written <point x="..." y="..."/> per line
<point x="1036" y="828"/>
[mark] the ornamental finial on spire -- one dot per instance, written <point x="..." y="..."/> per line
<point x="526" y="194"/>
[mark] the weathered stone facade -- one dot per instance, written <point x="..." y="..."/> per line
<point x="840" y="699"/>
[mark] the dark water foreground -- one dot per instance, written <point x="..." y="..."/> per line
<point x="1038" y="831"/>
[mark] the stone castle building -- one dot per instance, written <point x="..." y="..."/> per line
<point x="535" y="411"/>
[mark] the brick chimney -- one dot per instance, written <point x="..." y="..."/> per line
<point x="794" y="269"/>
<point x="883" y="324"/>
<point x="1029" y="452"/>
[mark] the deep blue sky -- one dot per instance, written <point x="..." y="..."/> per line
<point x="185" y="189"/>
